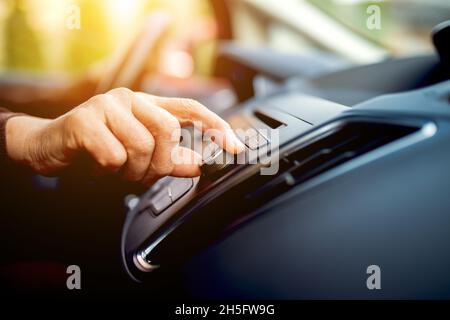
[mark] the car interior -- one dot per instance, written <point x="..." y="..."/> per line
<point x="359" y="138"/>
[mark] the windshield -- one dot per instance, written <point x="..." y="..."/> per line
<point x="404" y="26"/>
<point x="372" y="29"/>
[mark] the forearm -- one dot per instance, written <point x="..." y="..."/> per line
<point x="5" y="116"/>
<point x="22" y="137"/>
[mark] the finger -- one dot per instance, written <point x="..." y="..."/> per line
<point x="189" y="112"/>
<point x="187" y="163"/>
<point x="95" y="138"/>
<point x="134" y="136"/>
<point x="165" y="129"/>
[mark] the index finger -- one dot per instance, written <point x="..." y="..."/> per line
<point x="189" y="111"/>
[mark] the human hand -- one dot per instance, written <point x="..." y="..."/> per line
<point x="133" y="134"/>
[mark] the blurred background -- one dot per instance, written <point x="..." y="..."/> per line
<point x="55" y="54"/>
<point x="42" y="37"/>
<point x="37" y="37"/>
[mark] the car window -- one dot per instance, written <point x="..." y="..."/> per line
<point x="362" y="31"/>
<point x="403" y="27"/>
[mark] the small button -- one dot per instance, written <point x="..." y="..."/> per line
<point x="220" y="161"/>
<point x="244" y="134"/>
<point x="161" y="202"/>
<point x="172" y="191"/>
<point x="179" y="187"/>
<point x="255" y="142"/>
<point x="213" y="155"/>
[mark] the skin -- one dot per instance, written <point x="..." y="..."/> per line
<point x="133" y="134"/>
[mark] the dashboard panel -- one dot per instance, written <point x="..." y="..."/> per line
<point x="344" y="176"/>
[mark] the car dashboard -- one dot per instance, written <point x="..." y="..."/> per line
<point x="342" y="188"/>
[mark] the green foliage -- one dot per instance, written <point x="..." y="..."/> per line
<point x="19" y="35"/>
<point x="93" y="41"/>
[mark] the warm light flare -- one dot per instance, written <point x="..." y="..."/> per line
<point x="124" y="11"/>
<point x="177" y="64"/>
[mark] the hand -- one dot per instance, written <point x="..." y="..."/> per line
<point x="134" y="134"/>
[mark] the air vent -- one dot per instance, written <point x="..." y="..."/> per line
<point x="271" y="122"/>
<point x="330" y="149"/>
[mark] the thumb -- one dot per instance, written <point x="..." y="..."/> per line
<point x="186" y="162"/>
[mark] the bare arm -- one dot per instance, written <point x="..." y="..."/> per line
<point x="134" y="134"/>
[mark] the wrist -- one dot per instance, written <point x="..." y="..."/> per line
<point x="21" y="136"/>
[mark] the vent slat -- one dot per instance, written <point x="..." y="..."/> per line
<point x="344" y="143"/>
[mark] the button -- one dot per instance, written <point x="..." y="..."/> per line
<point x="179" y="187"/>
<point x="244" y="134"/>
<point x="169" y="194"/>
<point x="217" y="162"/>
<point x="161" y="201"/>
<point x="215" y="154"/>
<point x="255" y="142"/>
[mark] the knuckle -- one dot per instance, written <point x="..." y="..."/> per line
<point x="115" y="160"/>
<point x="162" y="170"/>
<point x="171" y="128"/>
<point x="144" y="146"/>
<point x="192" y="106"/>
<point x="79" y="117"/>
<point x="101" y="103"/>
<point x="124" y="95"/>
<point x="106" y="105"/>
<point x="99" y="100"/>
<point x="173" y="125"/>
<point x="121" y="91"/>
<point x="77" y="125"/>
